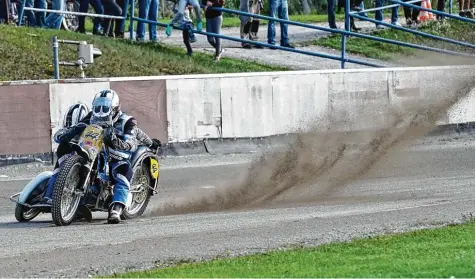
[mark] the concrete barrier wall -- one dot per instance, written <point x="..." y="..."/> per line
<point x="24" y="119"/>
<point x="178" y="109"/>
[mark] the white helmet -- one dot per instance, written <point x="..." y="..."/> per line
<point x="106" y="107"/>
<point x="74" y="114"/>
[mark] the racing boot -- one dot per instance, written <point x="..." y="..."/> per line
<point x="47" y="198"/>
<point x="115" y="213"/>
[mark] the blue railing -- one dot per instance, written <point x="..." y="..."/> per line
<point x="345" y="33"/>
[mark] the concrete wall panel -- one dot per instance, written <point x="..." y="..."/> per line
<point x="193" y="109"/>
<point x="431" y="87"/>
<point x="25" y="119"/>
<point x="358" y="100"/>
<point x="247" y="107"/>
<point x="298" y="101"/>
<point x="146" y="101"/>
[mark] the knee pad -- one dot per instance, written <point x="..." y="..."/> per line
<point x="254" y="26"/>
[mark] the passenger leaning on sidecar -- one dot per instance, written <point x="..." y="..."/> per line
<point x="120" y="141"/>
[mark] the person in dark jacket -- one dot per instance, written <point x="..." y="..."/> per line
<point x="110" y="8"/>
<point x="214" y="22"/>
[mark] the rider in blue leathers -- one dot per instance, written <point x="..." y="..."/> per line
<point x="121" y="141"/>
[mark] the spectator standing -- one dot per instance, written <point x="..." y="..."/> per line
<point x="379" y="15"/>
<point x="83" y="8"/>
<point x="331" y="16"/>
<point x="249" y="26"/>
<point x="411" y="15"/>
<point x="354" y="6"/>
<point x="279" y="9"/>
<point x="148" y="9"/>
<point x="440" y="6"/>
<point x="110" y="8"/>
<point x="464" y="9"/>
<point x="214" y="22"/>
<point x="55" y="20"/>
<point x="186" y="24"/>
<point x="117" y="25"/>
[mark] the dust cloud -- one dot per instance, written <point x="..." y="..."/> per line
<point x="321" y="160"/>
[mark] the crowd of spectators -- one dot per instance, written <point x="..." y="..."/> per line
<point x="249" y="25"/>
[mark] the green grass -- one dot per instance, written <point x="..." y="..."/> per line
<point x="441" y="252"/>
<point x="27" y="54"/>
<point x="451" y="29"/>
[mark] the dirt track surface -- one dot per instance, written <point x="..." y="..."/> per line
<point x="427" y="184"/>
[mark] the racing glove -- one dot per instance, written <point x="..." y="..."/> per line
<point x="109" y="136"/>
<point x="67" y="134"/>
<point x="156" y="144"/>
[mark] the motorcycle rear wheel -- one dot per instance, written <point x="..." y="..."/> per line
<point x="137" y="208"/>
<point x="68" y="179"/>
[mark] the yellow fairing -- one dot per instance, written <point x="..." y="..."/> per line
<point x="154" y="168"/>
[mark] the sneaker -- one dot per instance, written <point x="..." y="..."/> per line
<point x="396" y="23"/>
<point x="469" y="14"/>
<point x="409" y="22"/>
<point x="217" y="57"/>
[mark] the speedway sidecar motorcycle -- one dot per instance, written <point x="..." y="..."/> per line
<point x="144" y="183"/>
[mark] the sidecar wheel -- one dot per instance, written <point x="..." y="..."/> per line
<point x="24" y="214"/>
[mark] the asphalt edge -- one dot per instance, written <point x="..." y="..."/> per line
<point x="221" y="146"/>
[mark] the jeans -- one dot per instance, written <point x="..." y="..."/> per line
<point x="30" y="15"/>
<point x="148" y="9"/>
<point x="119" y="24"/>
<point x="55" y="20"/>
<point x="110" y="8"/>
<point x="440" y="6"/>
<point x="331" y="16"/>
<point x="34" y="18"/>
<point x="278" y="8"/>
<point x="379" y="13"/>
<point x="179" y="15"/>
<point x="214" y="26"/>
<point x="244" y="8"/>
<point x="83" y="8"/>
<point x="187" y="35"/>
<point x="411" y="13"/>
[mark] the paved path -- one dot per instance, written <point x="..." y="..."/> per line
<point x="292" y="60"/>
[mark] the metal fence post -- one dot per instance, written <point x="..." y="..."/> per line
<point x="55" y="57"/>
<point x="131" y="22"/>
<point x="344" y="37"/>
<point x="21" y="12"/>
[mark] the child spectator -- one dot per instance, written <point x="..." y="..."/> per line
<point x="179" y="15"/>
<point x="214" y="21"/>
<point x="186" y="24"/>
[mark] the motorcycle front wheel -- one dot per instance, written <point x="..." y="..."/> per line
<point x="65" y="197"/>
